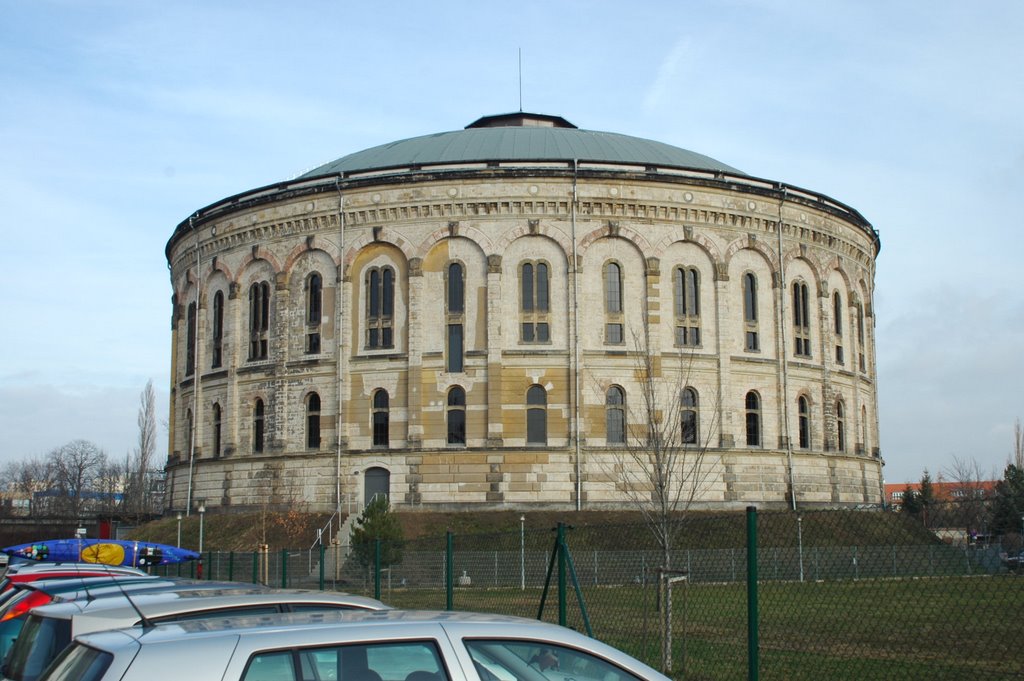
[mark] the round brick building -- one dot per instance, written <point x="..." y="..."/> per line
<point x="496" y="317"/>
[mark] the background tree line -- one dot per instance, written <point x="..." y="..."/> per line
<point x="78" y="479"/>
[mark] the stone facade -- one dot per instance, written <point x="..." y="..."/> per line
<point x="814" y="377"/>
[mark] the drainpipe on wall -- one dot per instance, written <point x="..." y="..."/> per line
<point x="195" y="373"/>
<point x="339" y="313"/>
<point x="576" y="346"/>
<point x="784" y="361"/>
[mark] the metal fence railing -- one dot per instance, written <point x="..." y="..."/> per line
<point x="896" y="604"/>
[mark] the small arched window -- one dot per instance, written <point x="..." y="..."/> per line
<point x="860" y="338"/>
<point x="456" y="416"/>
<point x="837" y="325"/>
<point x="801" y="319"/>
<point x="216" y="429"/>
<point x="803" y="408"/>
<point x="536" y="416"/>
<point x="313" y="421"/>
<point x="840" y="426"/>
<point x="613" y="303"/>
<point x="217" y="322"/>
<point x="753" y="411"/>
<point x="257" y="426"/>
<point x="615" y="416"/>
<point x="314" y="311"/>
<point x="688" y="416"/>
<point x="380" y="307"/>
<point x="381" y="419"/>
<point x="751" y="341"/>
<point x="259" y="320"/>
<point x="686" y="285"/>
<point x="864" y="429"/>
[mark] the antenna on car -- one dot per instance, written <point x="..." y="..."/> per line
<point x="146" y="624"/>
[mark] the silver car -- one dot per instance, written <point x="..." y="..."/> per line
<point x="50" y="628"/>
<point x="390" y="645"/>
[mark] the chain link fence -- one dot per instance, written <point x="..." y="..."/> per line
<point x="896" y="603"/>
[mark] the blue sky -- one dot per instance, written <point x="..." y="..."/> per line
<point x="122" y="118"/>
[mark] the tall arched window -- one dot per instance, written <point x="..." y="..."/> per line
<point x="216" y="429"/>
<point x="312" y="421"/>
<point x="840" y="426"/>
<point x="534" y="303"/>
<point x="380" y="307"/>
<point x="686" y="285"/>
<point x="864" y="429"/>
<point x="259" y="320"/>
<point x="381" y="419"/>
<point x="314" y="311"/>
<point x="190" y="340"/>
<point x="751" y="340"/>
<point x="257" y="426"/>
<point x="753" y="406"/>
<point x="860" y="338"/>
<point x="536" y="416"/>
<point x="615" y="416"/>
<point x="217" y="322"/>
<point x="688" y="416"/>
<point x="613" y="303"/>
<point x="189" y="433"/>
<point x="803" y="408"/>
<point x="456" y="416"/>
<point x="455" y="299"/>
<point x="801" y="319"/>
<point x="837" y="324"/>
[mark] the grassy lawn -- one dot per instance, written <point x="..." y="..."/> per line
<point x="927" y="628"/>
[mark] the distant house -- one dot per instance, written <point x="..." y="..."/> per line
<point x="943" y="491"/>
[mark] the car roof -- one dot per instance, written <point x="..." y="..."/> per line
<point x="31" y="568"/>
<point x="68" y="609"/>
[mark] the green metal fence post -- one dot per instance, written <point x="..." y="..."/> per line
<point x="376" y="568"/>
<point x="231" y="566"/>
<point x="449" y="569"/>
<point x="284" y="569"/>
<point x="255" y="567"/>
<point x="322" y="555"/>
<point x="752" y="633"/>
<point x="562" y="597"/>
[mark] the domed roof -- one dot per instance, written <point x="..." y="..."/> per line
<point x="520" y="137"/>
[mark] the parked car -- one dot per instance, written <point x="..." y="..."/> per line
<point x="1013" y="561"/>
<point x="26" y="596"/>
<point x="31" y="572"/>
<point x="391" y="645"/>
<point x="49" y="629"/>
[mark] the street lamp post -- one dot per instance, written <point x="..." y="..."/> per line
<point x="202" y="511"/>
<point x="522" y="553"/>
<point x="179" y="530"/>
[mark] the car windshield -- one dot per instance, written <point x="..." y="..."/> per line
<point x="79" y="663"/>
<point x="39" y="642"/>
<point x="497" y="660"/>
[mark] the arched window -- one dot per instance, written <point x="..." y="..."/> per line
<point x="801" y="319"/>
<point x="218" y="330"/>
<point x="456" y="416"/>
<point x="688" y="416"/>
<point x="380" y="307"/>
<point x="840" y="426"/>
<point x="536" y="416"/>
<point x="257" y="426"/>
<point x="190" y="340"/>
<point x="314" y="312"/>
<point x="613" y="303"/>
<point x="753" y="405"/>
<point x="860" y="338"/>
<point x="259" y="320"/>
<point x="216" y="429"/>
<point x="534" y="303"/>
<point x="837" y="324"/>
<point x="381" y="419"/>
<point x="313" y="421"/>
<point x="803" y="408"/>
<point x="751" y="341"/>
<point x="456" y="307"/>
<point x="686" y="285"/>
<point x="615" y="416"/>
<point x="864" y="429"/>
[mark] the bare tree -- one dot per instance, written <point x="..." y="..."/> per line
<point x="664" y="465"/>
<point x="138" y="473"/>
<point x="969" y="504"/>
<point x="23" y="479"/>
<point x="74" y="468"/>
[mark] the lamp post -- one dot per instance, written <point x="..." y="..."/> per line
<point x="179" y="530"/>
<point x="202" y="511"/>
<point x="522" y="552"/>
